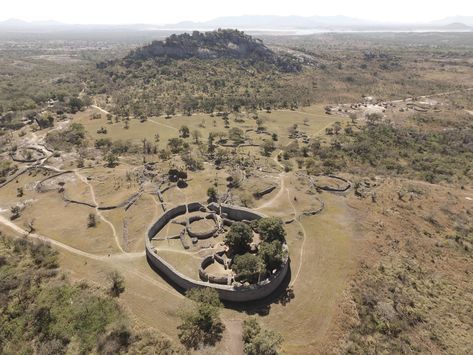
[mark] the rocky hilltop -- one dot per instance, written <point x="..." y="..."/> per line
<point x="225" y="44"/>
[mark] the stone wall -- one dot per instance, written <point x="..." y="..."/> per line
<point x="233" y="293"/>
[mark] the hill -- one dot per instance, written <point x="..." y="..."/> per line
<point x="227" y="44"/>
<point x="213" y="71"/>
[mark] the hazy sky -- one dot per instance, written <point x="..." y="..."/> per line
<point x="171" y="11"/>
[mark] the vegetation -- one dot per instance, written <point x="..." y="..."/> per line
<point x="42" y="312"/>
<point x="383" y="148"/>
<point x="201" y="324"/>
<point x="270" y="229"/>
<point x="72" y="137"/>
<point x="247" y="267"/>
<point x="259" y="341"/>
<point x="272" y="254"/>
<point x="239" y="237"/>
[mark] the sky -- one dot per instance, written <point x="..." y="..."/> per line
<point x="172" y="11"/>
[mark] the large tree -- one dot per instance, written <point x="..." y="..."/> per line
<point x="239" y="237"/>
<point x="259" y="341"/>
<point x="272" y="254"/>
<point x="201" y="323"/>
<point x="271" y="228"/>
<point x="247" y="267"/>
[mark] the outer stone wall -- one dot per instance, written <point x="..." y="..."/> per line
<point x="234" y="293"/>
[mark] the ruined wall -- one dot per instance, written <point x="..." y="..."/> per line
<point x="232" y="293"/>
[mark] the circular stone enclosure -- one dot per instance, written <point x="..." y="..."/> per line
<point x="216" y="215"/>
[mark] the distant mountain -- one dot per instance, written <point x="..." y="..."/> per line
<point x="252" y="24"/>
<point x="457" y="26"/>
<point x="275" y="22"/>
<point x="20" y="24"/>
<point x="465" y="20"/>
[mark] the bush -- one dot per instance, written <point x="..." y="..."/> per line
<point x="91" y="220"/>
<point x="117" y="284"/>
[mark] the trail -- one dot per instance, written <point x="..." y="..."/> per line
<point x="163" y="124"/>
<point x="97" y="211"/>
<point x="275" y="197"/>
<point x="66" y="247"/>
<point x="303" y="240"/>
<point x="431" y="95"/>
<point x="100" y="109"/>
<point x="103" y="258"/>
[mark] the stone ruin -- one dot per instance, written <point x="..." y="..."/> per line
<point x="219" y="215"/>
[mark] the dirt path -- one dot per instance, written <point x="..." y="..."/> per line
<point x="97" y="211"/>
<point x="19" y="230"/>
<point x="304" y="236"/>
<point x="100" y="109"/>
<point x="163" y="124"/>
<point x="118" y="260"/>
<point x="232" y="343"/>
<point x="271" y="202"/>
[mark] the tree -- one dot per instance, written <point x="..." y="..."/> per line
<point x="271" y="228"/>
<point x="267" y="148"/>
<point x="184" y="131"/>
<point x="91" y="220"/>
<point x="189" y="104"/>
<point x="337" y="127"/>
<point x="272" y="254"/>
<point x="259" y="125"/>
<point x="117" y="284"/>
<point x="112" y="160"/>
<point x="169" y="111"/>
<point x="247" y="267"/>
<point x="259" y="341"/>
<point x="210" y="143"/>
<point x="212" y="194"/>
<point x="15" y="212"/>
<point x="239" y="237"/>
<point x="201" y="323"/>
<point x="236" y="135"/>
<point x="75" y="104"/>
<point x="175" y="145"/>
<point x="196" y="135"/>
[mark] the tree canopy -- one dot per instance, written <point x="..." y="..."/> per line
<point x="201" y="323"/>
<point x="247" y="267"/>
<point x="239" y="237"/>
<point x="271" y="228"/>
<point x="272" y="254"/>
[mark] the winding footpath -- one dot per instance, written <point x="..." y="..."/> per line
<point x="97" y="211"/>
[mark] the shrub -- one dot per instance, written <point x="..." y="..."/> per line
<point x="117" y="284"/>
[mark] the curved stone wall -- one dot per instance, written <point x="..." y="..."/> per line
<point x="234" y="293"/>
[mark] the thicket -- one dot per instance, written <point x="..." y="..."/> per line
<point x="41" y="312"/>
